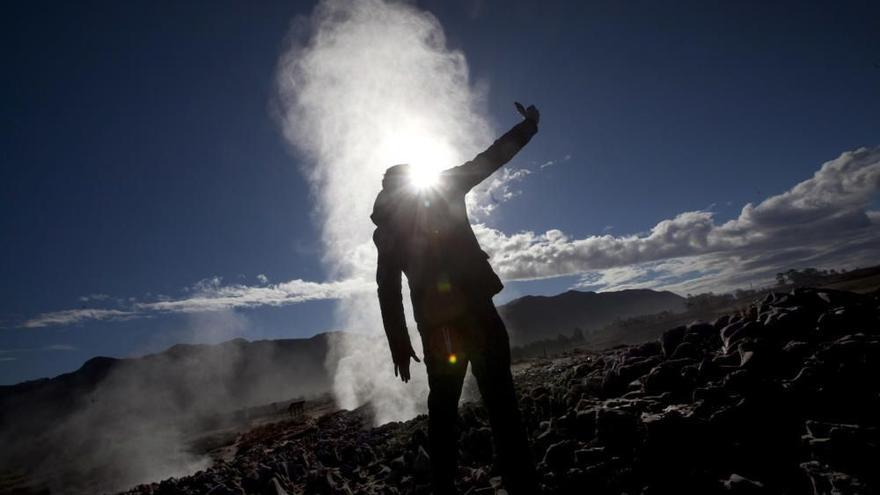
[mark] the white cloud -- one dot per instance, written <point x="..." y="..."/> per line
<point x="205" y="284"/>
<point x="263" y="279"/>
<point x="210" y="295"/>
<point x="94" y="297"/>
<point x="822" y="220"/>
<point x="60" y="347"/>
<point x="550" y="163"/>
<point x="499" y="188"/>
<point x="220" y="297"/>
<point x="71" y="316"/>
<point x="495" y="190"/>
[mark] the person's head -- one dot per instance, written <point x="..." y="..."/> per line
<point x="396" y="176"/>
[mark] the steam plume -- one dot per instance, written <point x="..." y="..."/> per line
<point x="363" y="86"/>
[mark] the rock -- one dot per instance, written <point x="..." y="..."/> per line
<point x="422" y="464"/>
<point x="636" y="367"/>
<point x="560" y="455"/>
<point x="741" y="485"/>
<point x="648" y="349"/>
<point x="721" y="322"/>
<point x="496" y="482"/>
<point x="279" y="490"/>
<point x="617" y="429"/>
<point x="666" y="377"/>
<point x="671" y="339"/>
<point x="477" y="442"/>
<point x="589" y="456"/>
<point x="585" y="424"/>
<point x="825" y="480"/>
<point x="702" y="334"/>
<point x="398" y="464"/>
<point x="732" y="334"/>
<point x="850" y="448"/>
<point x="685" y="350"/>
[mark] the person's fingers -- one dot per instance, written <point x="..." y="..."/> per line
<point x="395" y="369"/>
<point x="413" y="355"/>
<point x="520" y="108"/>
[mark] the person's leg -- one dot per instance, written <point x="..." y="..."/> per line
<point x="490" y="364"/>
<point x="445" y="381"/>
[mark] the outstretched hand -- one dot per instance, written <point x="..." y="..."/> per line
<point x="401" y="364"/>
<point x="530" y="113"/>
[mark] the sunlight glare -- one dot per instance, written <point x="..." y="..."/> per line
<point x="424" y="177"/>
<point x="426" y="150"/>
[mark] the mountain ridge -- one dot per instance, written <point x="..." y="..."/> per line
<point x="533" y="318"/>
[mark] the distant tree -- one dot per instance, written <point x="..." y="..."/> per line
<point x="741" y="294"/>
<point x="780" y="279"/>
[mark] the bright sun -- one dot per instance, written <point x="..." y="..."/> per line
<point x="423" y="177"/>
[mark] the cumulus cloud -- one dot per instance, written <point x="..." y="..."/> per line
<point x="497" y="189"/>
<point x="820" y="221"/>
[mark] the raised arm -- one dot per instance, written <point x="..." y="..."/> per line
<point x="468" y="175"/>
<point x="388" y="274"/>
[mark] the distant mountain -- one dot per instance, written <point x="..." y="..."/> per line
<point x="202" y="379"/>
<point x="231" y="375"/>
<point x="140" y="413"/>
<point x="533" y="318"/>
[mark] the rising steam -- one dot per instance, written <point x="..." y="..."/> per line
<point x="365" y="85"/>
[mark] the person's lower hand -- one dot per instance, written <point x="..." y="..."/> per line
<point x="401" y="364"/>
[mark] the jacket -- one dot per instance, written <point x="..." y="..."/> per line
<point x="427" y="236"/>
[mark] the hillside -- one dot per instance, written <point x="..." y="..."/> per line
<point x="533" y="318"/>
<point x="147" y="410"/>
<point x="781" y="397"/>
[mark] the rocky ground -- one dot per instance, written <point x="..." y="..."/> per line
<point x="783" y="397"/>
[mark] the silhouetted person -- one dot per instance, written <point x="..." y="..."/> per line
<point x="424" y="233"/>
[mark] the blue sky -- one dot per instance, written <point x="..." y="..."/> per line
<point x="142" y="163"/>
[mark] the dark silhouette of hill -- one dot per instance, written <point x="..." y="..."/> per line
<point x="251" y="373"/>
<point x="254" y="373"/>
<point x="533" y="318"/>
<point x="117" y="421"/>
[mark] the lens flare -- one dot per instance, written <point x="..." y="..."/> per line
<point x="453" y="359"/>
